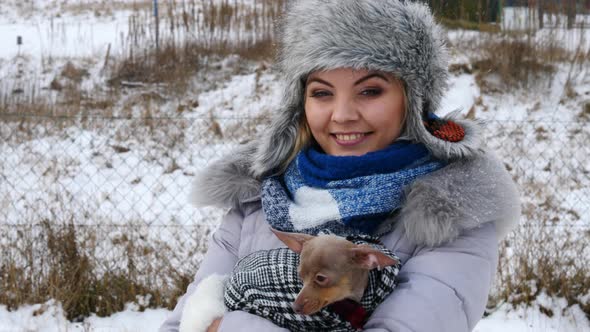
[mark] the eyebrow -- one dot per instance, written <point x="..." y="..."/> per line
<point x="381" y="76"/>
<point x="369" y="76"/>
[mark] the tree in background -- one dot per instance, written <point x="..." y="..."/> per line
<point x="568" y="7"/>
<point x="490" y="10"/>
<point x="469" y="10"/>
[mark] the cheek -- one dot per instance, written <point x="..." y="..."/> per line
<point x="396" y="111"/>
<point x="316" y="116"/>
<point x="386" y="114"/>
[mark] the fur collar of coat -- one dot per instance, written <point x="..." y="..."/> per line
<point x="438" y="207"/>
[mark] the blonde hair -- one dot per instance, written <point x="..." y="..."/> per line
<point x="302" y="140"/>
<point x="406" y="109"/>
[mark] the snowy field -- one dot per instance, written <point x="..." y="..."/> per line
<point x="126" y="170"/>
<point x="504" y="319"/>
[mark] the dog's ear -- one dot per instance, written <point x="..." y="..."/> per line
<point x="294" y="241"/>
<point x="368" y="258"/>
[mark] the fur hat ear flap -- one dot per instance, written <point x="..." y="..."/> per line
<point x="447" y="138"/>
<point x="278" y="142"/>
<point x="452" y="137"/>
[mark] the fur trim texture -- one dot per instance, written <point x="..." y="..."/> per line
<point x="459" y="197"/>
<point x="227" y="181"/>
<point x="437" y="208"/>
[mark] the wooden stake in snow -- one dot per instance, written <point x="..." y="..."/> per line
<point x="19" y="42"/>
<point x="106" y="58"/>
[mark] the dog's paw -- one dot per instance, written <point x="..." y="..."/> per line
<point x="204" y="305"/>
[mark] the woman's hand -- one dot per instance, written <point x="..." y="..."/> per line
<point x="214" y="325"/>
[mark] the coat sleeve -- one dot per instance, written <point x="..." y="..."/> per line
<point x="243" y="321"/>
<point x="220" y="258"/>
<point x="442" y="289"/>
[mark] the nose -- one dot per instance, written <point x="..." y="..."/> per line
<point x="298" y="304"/>
<point x="297" y="307"/>
<point x="344" y="110"/>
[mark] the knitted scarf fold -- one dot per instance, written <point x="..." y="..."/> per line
<point x="343" y="195"/>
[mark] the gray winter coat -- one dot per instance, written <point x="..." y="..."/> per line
<point x="447" y="231"/>
<point x="446" y="236"/>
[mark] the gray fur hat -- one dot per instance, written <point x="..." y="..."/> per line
<point x="394" y="36"/>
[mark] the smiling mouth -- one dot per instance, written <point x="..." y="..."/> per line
<point x="350" y="139"/>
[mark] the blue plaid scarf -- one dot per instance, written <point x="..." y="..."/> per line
<point x="343" y="195"/>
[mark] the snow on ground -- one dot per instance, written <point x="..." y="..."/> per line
<point x="544" y="315"/>
<point x="49" y="317"/>
<point x="504" y="319"/>
<point x="64" y="37"/>
<point x="83" y="31"/>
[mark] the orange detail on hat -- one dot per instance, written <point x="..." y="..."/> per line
<point x="445" y="129"/>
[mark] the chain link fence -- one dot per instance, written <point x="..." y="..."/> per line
<point x="113" y="193"/>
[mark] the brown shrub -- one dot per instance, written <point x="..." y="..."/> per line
<point x="62" y="262"/>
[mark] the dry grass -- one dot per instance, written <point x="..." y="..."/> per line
<point x="547" y="253"/>
<point x="63" y="262"/>
<point x="469" y="25"/>
<point x="103" y="7"/>
<point x="77" y="7"/>
<point x="511" y="60"/>
<point x="66" y="93"/>
<point x="546" y="259"/>
<point x="514" y="59"/>
<point x="194" y="37"/>
<point x="189" y="35"/>
<point x="511" y="63"/>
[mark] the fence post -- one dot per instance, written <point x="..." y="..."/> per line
<point x="157" y="27"/>
<point x="19" y="42"/>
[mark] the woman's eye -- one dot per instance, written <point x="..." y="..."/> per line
<point x="371" y="92"/>
<point x="321" y="93"/>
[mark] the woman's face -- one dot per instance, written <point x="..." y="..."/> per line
<point x="353" y="112"/>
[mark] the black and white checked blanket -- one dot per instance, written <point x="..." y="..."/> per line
<point x="266" y="283"/>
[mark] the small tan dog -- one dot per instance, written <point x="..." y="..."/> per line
<point x="331" y="268"/>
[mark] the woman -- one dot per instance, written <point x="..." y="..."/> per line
<point x="356" y="148"/>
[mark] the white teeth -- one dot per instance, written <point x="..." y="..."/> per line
<point x="349" y="137"/>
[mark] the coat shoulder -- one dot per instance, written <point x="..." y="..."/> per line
<point x="461" y="196"/>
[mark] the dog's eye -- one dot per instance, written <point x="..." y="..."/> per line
<point x="321" y="279"/>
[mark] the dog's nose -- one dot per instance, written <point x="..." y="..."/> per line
<point x="297" y="307"/>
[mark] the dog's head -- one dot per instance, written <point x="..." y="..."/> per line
<point x="331" y="268"/>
